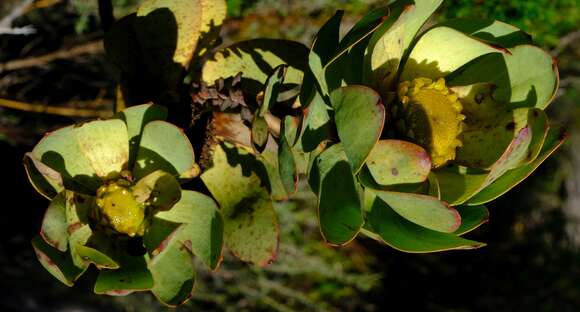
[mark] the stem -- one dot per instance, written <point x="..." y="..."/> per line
<point x="106" y="14"/>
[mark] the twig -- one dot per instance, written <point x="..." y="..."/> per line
<point x="88" y="48"/>
<point x="566" y="41"/>
<point x="61" y="111"/>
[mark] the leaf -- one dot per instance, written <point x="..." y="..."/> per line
<point x="339" y="204"/>
<point x="165" y="147"/>
<point x="471" y="218"/>
<point x="159" y="230"/>
<point x="555" y="138"/>
<point x="250" y="223"/>
<point x="513" y="84"/>
<point x="159" y="189"/>
<point x="286" y="162"/>
<point x="422" y="210"/>
<point x="406" y="236"/>
<point x="348" y="61"/>
<point x="256" y="60"/>
<point x="398" y="162"/>
<point x="57" y="263"/>
<point x="487" y="135"/>
<point x="173" y="271"/>
<point x="260" y="133"/>
<point x="169" y="17"/>
<point x="457" y="185"/>
<point x="136" y="117"/>
<point x="323" y="48"/>
<point x="54" y="225"/>
<point x="359" y="116"/>
<point x="530" y="88"/>
<point x="203" y="228"/>
<point x="60" y="151"/>
<point x="214" y="13"/>
<point x="490" y="31"/>
<point x="132" y="276"/>
<point x="100" y="259"/>
<point x="390" y="43"/>
<point x="440" y="51"/>
<point x="106" y="146"/>
<point x="45" y="180"/>
<point x="318" y="126"/>
<point x="273" y="87"/>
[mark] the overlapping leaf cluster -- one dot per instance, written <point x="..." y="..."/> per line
<point x="371" y="179"/>
<point x="330" y="113"/>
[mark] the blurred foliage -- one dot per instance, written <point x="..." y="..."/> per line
<point x="546" y="20"/>
<point x="87" y="11"/>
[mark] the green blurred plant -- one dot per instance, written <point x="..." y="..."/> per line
<point x="546" y="20"/>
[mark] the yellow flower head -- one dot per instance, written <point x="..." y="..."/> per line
<point x="431" y="116"/>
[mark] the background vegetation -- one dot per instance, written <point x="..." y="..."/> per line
<point x="531" y="262"/>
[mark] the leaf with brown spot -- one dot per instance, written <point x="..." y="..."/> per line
<point x="250" y="223"/>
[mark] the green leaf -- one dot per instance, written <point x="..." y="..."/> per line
<point x="406" y="236"/>
<point x="57" y="263"/>
<point x="390" y="43"/>
<point x="325" y="45"/>
<point x="159" y="189"/>
<point x="214" y="13"/>
<point x="256" y="60"/>
<point x="203" y="227"/>
<point x="398" y="162"/>
<point x="132" y="276"/>
<point x="79" y="237"/>
<point x="159" y="230"/>
<point x="273" y="88"/>
<point x="422" y="210"/>
<point x="359" y="116"/>
<point x="490" y="129"/>
<point x="136" y="117"/>
<point x="260" y="133"/>
<point x="471" y="218"/>
<point x="106" y="146"/>
<point x="250" y="223"/>
<point x="170" y="27"/>
<point x="504" y="68"/>
<point x="173" y="271"/>
<point x="348" y="61"/>
<point x="529" y="88"/>
<point x="98" y="258"/>
<point x="318" y="126"/>
<point x="54" y="225"/>
<point x="457" y="185"/>
<point x="45" y="180"/>
<point x="165" y="147"/>
<point x="339" y="204"/>
<point x="60" y="151"/>
<point x="440" y="51"/>
<point x="490" y="31"/>
<point x="556" y="136"/>
<point x="286" y="162"/>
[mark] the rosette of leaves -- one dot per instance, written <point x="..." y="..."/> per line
<point x="116" y="204"/>
<point x="410" y="132"/>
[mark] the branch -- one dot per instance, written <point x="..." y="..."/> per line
<point x="53" y="110"/>
<point x="88" y="48"/>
